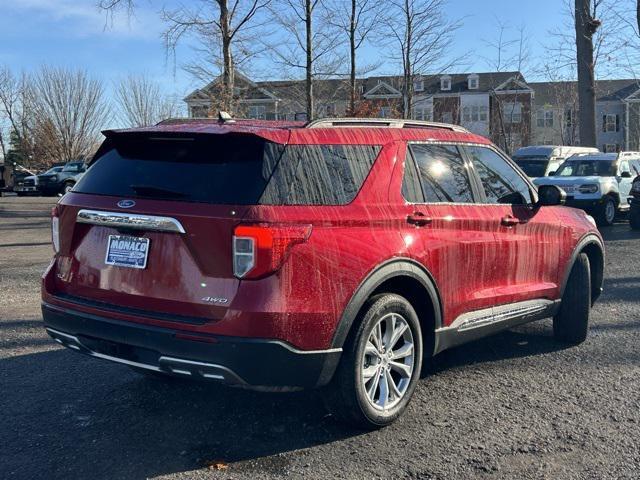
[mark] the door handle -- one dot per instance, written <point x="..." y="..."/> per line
<point x="419" y="219"/>
<point x="510" y="221"/>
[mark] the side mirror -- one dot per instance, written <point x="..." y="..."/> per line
<point x="549" y="195"/>
<point x="625" y="175"/>
<point x="551" y="174"/>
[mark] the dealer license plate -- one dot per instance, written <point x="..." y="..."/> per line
<point x="127" y="251"/>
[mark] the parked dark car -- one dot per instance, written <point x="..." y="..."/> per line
<point x="634" y="211"/>
<point x="62" y="181"/>
<point x="26" y="185"/>
<point x="287" y="255"/>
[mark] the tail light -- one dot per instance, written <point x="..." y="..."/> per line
<point x="261" y="250"/>
<point x="55" y="229"/>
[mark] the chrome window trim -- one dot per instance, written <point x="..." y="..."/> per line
<point x="130" y="220"/>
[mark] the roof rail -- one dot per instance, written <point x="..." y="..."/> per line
<point x="629" y="154"/>
<point x="381" y="122"/>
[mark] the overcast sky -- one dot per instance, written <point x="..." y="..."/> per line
<point x="75" y="33"/>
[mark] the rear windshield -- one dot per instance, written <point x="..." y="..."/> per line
<point x="230" y="169"/>
<point x="587" y="168"/>
<point x="533" y="166"/>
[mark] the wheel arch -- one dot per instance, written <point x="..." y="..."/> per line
<point x="404" y="277"/>
<point x="592" y="246"/>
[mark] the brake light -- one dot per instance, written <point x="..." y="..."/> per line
<point x="55" y="229"/>
<point x="261" y="250"/>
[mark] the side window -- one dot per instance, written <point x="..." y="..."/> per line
<point x="500" y="181"/>
<point x="442" y="174"/>
<point x="624" y="166"/>
<point x="411" y="190"/>
<point x="319" y="174"/>
<point x="635" y="167"/>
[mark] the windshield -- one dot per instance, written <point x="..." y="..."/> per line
<point x="72" y="167"/>
<point x="53" y="170"/>
<point x="587" y="168"/>
<point x="533" y="166"/>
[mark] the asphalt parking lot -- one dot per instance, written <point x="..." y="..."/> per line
<point x="516" y="405"/>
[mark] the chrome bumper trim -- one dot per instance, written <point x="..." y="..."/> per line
<point x="130" y="220"/>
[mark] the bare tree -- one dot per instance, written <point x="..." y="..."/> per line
<point x="586" y="25"/>
<point x="422" y="35"/>
<point x="509" y="52"/>
<point x="228" y="27"/>
<point x="141" y="102"/>
<point x="16" y="113"/>
<point x="304" y="41"/>
<point x="225" y="24"/>
<point x="358" y="20"/>
<point x="70" y="111"/>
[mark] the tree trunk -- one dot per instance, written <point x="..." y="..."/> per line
<point x="227" y="58"/>
<point x="586" y="26"/>
<point x="309" y="66"/>
<point x="408" y="67"/>
<point x="352" y="52"/>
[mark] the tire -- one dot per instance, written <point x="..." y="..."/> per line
<point x="634" y="218"/>
<point x="607" y="212"/>
<point x="66" y="188"/>
<point x="571" y="323"/>
<point x="348" y="396"/>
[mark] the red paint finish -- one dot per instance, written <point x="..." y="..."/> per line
<point x="475" y="259"/>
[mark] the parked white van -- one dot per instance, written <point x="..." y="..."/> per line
<point x="540" y="160"/>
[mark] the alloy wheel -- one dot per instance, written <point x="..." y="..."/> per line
<point x="388" y="361"/>
<point x="609" y="211"/>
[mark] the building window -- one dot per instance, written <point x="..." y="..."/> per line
<point x="199" y="112"/>
<point x="258" y="112"/>
<point x="512" y="112"/>
<point x="610" y="123"/>
<point x="473" y="113"/>
<point x="484" y="113"/>
<point x="611" y="148"/>
<point x="385" y="112"/>
<point x="418" y="86"/>
<point x="568" y="117"/>
<point x="445" y="83"/>
<point x="473" y="82"/>
<point x="423" y="113"/>
<point x="545" y="118"/>
<point x="447" y="117"/>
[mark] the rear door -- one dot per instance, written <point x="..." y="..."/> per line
<point x="527" y="239"/>
<point x="150" y="224"/>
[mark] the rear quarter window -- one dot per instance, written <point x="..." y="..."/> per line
<point x="320" y="174"/>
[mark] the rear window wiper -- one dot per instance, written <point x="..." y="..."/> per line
<point x="151" y="191"/>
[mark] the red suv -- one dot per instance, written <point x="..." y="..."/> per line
<point x="339" y="253"/>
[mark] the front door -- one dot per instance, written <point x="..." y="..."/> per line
<point x="444" y="230"/>
<point x="527" y="238"/>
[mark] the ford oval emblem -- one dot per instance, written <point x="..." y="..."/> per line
<point x="126" y="203"/>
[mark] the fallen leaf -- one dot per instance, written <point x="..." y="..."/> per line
<point x="217" y="465"/>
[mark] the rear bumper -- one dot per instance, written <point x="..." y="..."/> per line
<point x="257" y="363"/>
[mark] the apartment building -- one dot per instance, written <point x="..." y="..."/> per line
<point x="500" y="105"/>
